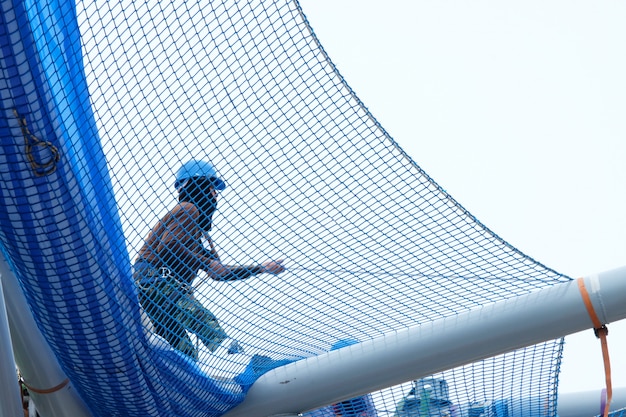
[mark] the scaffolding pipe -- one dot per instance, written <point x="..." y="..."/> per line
<point x="51" y="390"/>
<point x="10" y="398"/>
<point x="589" y="403"/>
<point x="417" y="352"/>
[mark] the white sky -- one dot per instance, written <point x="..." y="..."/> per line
<point x="517" y="110"/>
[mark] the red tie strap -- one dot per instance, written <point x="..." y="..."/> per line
<point x="601" y="332"/>
<point x="47" y="390"/>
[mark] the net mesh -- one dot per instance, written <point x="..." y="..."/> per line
<point x="618" y="413"/>
<point x="372" y="245"/>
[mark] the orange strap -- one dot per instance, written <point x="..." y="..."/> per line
<point x="47" y="390"/>
<point x="601" y="332"/>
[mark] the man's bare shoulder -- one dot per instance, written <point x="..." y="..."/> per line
<point x="185" y="210"/>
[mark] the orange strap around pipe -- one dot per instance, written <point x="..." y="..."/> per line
<point x="47" y="390"/>
<point x="601" y="332"/>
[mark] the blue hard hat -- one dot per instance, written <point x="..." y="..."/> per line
<point x="198" y="169"/>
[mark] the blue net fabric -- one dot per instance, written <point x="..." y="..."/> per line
<point x="114" y="97"/>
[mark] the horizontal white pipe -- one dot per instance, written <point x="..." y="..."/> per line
<point x="34" y="357"/>
<point x="10" y="399"/>
<point x="420" y="351"/>
<point x="588" y="403"/>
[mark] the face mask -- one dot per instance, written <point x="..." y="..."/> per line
<point x="207" y="208"/>
<point x="198" y="192"/>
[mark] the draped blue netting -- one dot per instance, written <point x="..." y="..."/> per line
<point x="103" y="101"/>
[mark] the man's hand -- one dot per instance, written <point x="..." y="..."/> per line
<point x="274" y="267"/>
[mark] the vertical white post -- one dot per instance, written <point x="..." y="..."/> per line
<point x="38" y="365"/>
<point x="10" y="399"/>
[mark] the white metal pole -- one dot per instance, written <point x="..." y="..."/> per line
<point x="589" y="403"/>
<point x="38" y="365"/>
<point x="10" y="398"/>
<point x="420" y="351"/>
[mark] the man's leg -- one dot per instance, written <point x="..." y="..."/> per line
<point x="160" y="304"/>
<point x="203" y="323"/>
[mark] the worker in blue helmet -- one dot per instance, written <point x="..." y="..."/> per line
<point x="176" y="249"/>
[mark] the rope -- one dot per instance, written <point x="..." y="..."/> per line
<point x="47" y="390"/>
<point x="34" y="148"/>
<point x="601" y="332"/>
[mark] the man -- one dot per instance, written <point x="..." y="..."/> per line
<point x="174" y="253"/>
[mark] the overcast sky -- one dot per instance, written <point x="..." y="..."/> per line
<point x="517" y="109"/>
